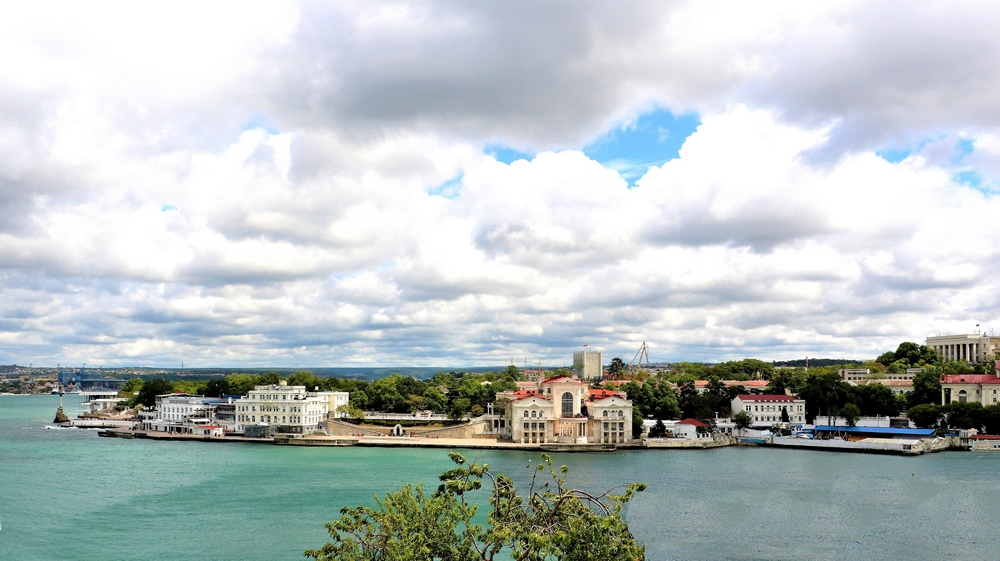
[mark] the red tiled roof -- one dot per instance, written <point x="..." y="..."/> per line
<point x="734" y="383"/>
<point x="969" y="379"/>
<point x="524" y="394"/>
<point x="985" y="437"/>
<point x="772" y="397"/>
<point x="557" y="378"/>
<point x="601" y="394"/>
<point x="690" y="421"/>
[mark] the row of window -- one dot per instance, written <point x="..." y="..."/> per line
<point x="270" y="408"/>
<point x="773" y="408"/>
<point x="267" y="419"/>
<point x="776" y="418"/>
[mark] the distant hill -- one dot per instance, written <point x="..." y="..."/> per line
<point x="819" y="362"/>
<point x="360" y="373"/>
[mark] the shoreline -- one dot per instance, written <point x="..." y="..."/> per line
<point x="491" y="444"/>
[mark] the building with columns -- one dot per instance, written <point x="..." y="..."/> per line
<point x="565" y="409"/>
<point x="287" y="409"/>
<point x="971" y="347"/>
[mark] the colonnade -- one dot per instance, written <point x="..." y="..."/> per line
<point x="964" y="352"/>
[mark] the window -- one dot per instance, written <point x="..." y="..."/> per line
<point x="605" y="415"/>
<point x="567" y="404"/>
<point x="525" y="426"/>
<point x="525" y="414"/>
<point x="532" y="414"/>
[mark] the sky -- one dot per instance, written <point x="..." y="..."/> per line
<point x="467" y="183"/>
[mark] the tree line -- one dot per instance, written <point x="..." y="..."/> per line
<point x="454" y="394"/>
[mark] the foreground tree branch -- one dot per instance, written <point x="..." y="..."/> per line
<point x="552" y="522"/>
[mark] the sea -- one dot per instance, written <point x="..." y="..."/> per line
<point x="67" y="494"/>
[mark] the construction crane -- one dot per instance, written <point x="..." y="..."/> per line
<point x="636" y="362"/>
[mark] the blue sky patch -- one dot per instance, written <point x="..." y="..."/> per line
<point x="652" y="140"/>
<point x="968" y="177"/>
<point x="260" y="122"/>
<point x="506" y="154"/>
<point x="449" y="189"/>
<point x="167" y="208"/>
<point x="893" y="155"/>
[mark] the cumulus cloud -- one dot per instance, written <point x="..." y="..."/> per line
<point x="306" y="184"/>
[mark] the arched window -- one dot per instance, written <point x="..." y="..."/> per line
<point x="532" y="414"/>
<point x="567" y="404"/>
<point x="605" y="413"/>
<point x="525" y="414"/>
<point x="621" y="414"/>
<point x="963" y="396"/>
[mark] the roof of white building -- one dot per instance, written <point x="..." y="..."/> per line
<point x="767" y="398"/>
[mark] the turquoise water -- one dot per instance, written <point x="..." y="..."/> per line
<point x="70" y="495"/>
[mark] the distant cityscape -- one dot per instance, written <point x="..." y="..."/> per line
<point x="916" y="399"/>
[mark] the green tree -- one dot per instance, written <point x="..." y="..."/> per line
<point x="876" y="399"/>
<point x="784" y="415"/>
<point x="435" y="400"/>
<point x="659" y="430"/>
<point x="925" y="415"/>
<point x="617" y="367"/>
<point x="851" y="413"/>
<point x="637" y="423"/>
<point x="991" y="419"/>
<point x="742" y="420"/>
<point x="241" y="384"/>
<point x="926" y="388"/>
<point x="825" y="394"/>
<point x="956" y="367"/>
<point x="216" y="388"/>
<point x="552" y="521"/>
<point x="132" y="385"/>
<point x="964" y="415"/>
<point x="152" y="388"/>
<point x="459" y="408"/>
<point x="886" y="358"/>
<point x="746" y="369"/>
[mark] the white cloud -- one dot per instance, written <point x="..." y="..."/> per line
<point x="302" y="184"/>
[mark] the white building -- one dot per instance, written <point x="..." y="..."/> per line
<point x="899" y="383"/>
<point x="765" y="410"/>
<point x="178" y="407"/>
<point x="288" y="409"/>
<point x="588" y="365"/>
<point x="689" y="428"/>
<point x="971" y="347"/>
<point x="97" y="401"/>
<point x="184" y="414"/>
<point x="564" y="409"/>
<point x="965" y="388"/>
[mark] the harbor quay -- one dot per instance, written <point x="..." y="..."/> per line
<point x="584" y="410"/>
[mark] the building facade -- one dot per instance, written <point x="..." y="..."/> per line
<point x="287" y="409"/>
<point x="972" y="347"/>
<point x="588" y="365"/>
<point x="899" y="383"/>
<point x="765" y="410"/>
<point x="564" y="409"/>
<point x="966" y="388"/>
